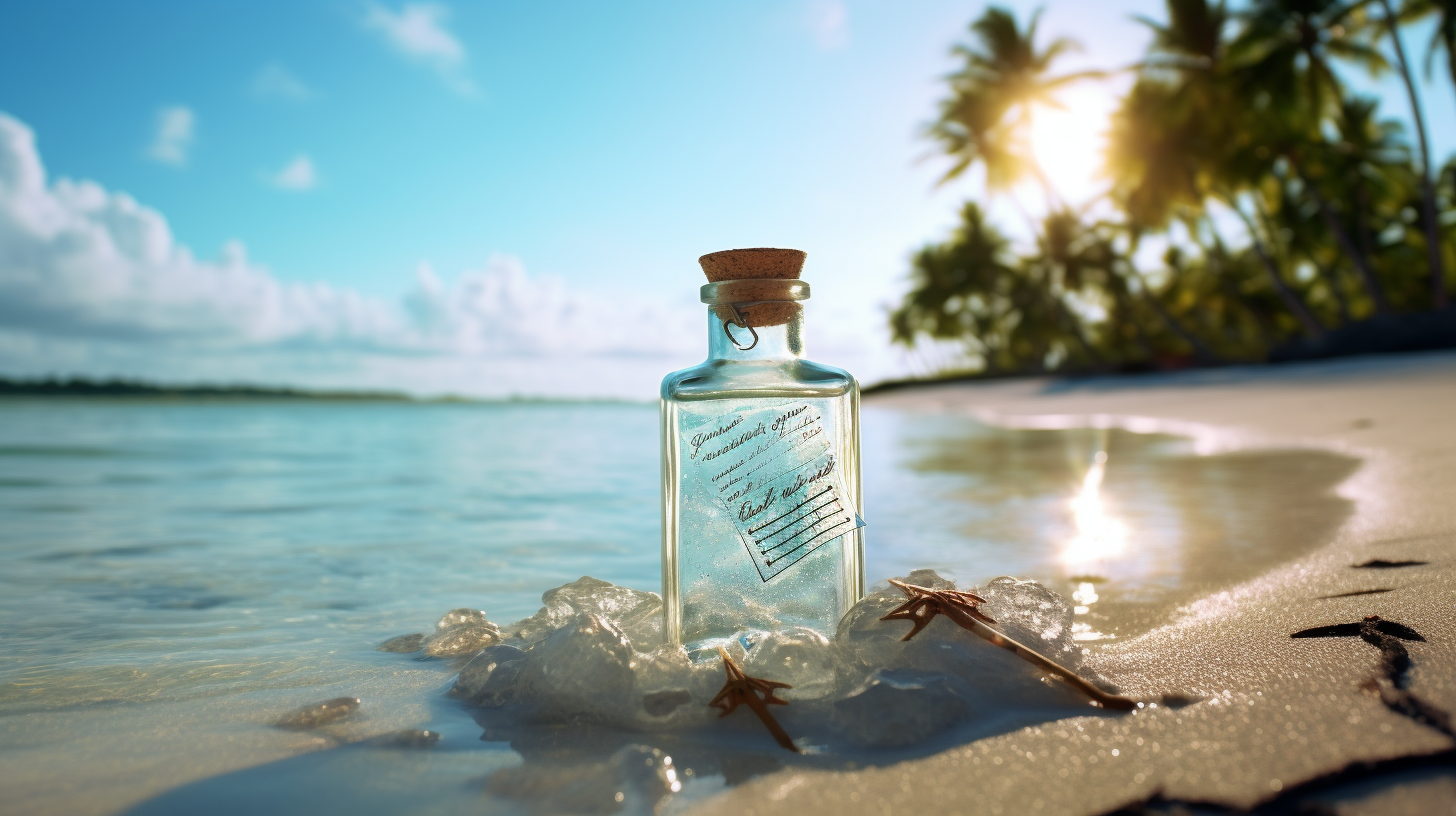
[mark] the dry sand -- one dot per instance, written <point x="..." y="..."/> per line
<point x="1277" y="716"/>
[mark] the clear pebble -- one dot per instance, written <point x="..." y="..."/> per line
<point x="894" y="707"/>
<point x="801" y="657"/>
<point x="460" y="617"/>
<point x="866" y="643"/>
<point x="594" y="652"/>
<point x="461" y="632"/>
<point x="1034" y="615"/>
<point x="317" y="714"/>
<point x="636" y="613"/>
<point x="403" y="644"/>
<point x="635" y="779"/>
<point x="406" y="738"/>
<point x="583" y="669"/>
<point x="474" y="682"/>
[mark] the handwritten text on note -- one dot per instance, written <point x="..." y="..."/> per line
<point x="775" y="473"/>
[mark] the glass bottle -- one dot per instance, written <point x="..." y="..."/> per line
<point x="761" y="499"/>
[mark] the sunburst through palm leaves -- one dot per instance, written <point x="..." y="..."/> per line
<point x="963" y="608"/>
<point x="745" y="690"/>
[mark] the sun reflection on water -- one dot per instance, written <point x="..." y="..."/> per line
<point x="1098" y="538"/>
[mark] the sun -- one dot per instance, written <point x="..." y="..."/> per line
<point x="1067" y="143"/>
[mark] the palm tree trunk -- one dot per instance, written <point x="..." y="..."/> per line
<point x="1075" y="327"/>
<point x="1140" y="336"/>
<point x="1428" y="191"/>
<point x="1451" y="60"/>
<point x="1332" y="282"/>
<point x="1261" y="321"/>
<point x="1306" y="318"/>
<point x="1362" y="224"/>
<point x="1372" y="286"/>
<point x="1200" y="349"/>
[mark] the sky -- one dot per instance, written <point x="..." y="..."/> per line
<point x="484" y="198"/>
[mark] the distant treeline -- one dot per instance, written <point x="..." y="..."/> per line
<point x="83" y="387"/>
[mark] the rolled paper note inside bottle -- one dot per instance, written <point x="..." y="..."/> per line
<point x="760" y="472"/>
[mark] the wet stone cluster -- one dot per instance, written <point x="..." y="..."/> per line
<point x="595" y="653"/>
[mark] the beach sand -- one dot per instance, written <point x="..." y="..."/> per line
<point x="1275" y="717"/>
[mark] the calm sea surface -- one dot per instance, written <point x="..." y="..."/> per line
<point x="173" y="575"/>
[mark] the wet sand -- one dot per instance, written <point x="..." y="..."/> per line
<point x="1269" y="721"/>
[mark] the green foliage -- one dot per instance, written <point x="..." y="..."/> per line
<point x="986" y="118"/>
<point x="1287" y="205"/>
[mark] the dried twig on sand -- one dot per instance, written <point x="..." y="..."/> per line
<point x="963" y="608"/>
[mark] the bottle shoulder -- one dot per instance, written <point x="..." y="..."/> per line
<point x="724" y="379"/>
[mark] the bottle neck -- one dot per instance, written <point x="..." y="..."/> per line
<point x="784" y="341"/>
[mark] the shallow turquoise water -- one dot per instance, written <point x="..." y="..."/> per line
<point x="173" y="574"/>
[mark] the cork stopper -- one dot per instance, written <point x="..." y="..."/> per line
<point x="741" y="264"/>
<point x="768" y="265"/>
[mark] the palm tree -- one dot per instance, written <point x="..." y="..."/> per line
<point x="1184" y="133"/>
<point x="1285" y="54"/>
<point x="1063" y="264"/>
<point x="987" y="118"/>
<point x="1363" y="159"/>
<point x="1444" y="37"/>
<point x="958" y="291"/>
<point x="1428" y="190"/>
<point x="1284" y="66"/>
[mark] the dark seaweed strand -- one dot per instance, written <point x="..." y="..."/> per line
<point x="1388" y="682"/>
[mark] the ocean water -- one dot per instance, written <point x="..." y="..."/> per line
<point x="176" y="575"/>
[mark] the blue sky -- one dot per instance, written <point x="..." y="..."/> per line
<point x="555" y="167"/>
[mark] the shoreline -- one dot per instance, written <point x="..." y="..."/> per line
<point x="1274" y="713"/>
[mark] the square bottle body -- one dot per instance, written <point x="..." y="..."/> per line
<point x="762" y="503"/>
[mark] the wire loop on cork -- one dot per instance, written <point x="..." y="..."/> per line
<point x="741" y="322"/>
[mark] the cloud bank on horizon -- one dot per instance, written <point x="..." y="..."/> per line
<point x="93" y="282"/>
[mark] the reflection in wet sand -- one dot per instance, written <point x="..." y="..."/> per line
<point x="1130" y="526"/>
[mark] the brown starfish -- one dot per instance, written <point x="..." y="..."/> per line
<point x="743" y="689"/>
<point x="963" y="610"/>
<point x="925" y="604"/>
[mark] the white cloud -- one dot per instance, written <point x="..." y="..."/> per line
<point x="174" y="137"/>
<point x="298" y="175"/>
<point x="828" y="22"/>
<point x="93" y="282"/>
<point x="273" y="81"/>
<point x="418" y="31"/>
